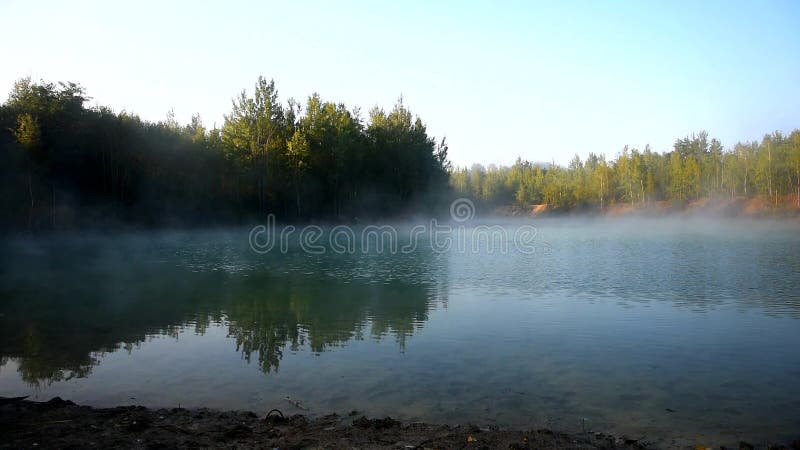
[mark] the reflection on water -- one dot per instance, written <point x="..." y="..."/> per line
<point x="68" y="300"/>
<point x="619" y="323"/>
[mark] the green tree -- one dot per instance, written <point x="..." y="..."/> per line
<point x="254" y="133"/>
<point x="298" y="152"/>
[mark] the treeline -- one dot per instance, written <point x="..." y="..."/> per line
<point x="696" y="168"/>
<point x="66" y="165"/>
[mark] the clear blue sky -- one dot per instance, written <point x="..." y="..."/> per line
<point x="541" y="80"/>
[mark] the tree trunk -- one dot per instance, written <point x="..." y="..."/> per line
<point x="630" y="191"/>
<point x="769" y="170"/>
<point x="745" y="181"/>
<point x="601" y="192"/>
<point x="641" y="183"/>
<point x="797" y="171"/>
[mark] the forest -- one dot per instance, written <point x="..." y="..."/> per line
<point x="698" y="167"/>
<point x="65" y="165"/>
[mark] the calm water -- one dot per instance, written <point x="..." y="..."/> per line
<point x="612" y="322"/>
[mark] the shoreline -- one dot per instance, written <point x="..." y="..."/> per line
<point x="756" y="207"/>
<point x="61" y="423"/>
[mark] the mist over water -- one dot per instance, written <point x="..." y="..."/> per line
<point x="665" y="328"/>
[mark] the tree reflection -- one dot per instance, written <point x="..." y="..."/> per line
<point x="267" y="314"/>
<point x="60" y="329"/>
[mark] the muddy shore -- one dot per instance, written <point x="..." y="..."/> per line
<point x="63" y="424"/>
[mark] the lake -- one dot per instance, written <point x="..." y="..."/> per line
<point x="684" y="330"/>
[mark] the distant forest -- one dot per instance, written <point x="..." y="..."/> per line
<point x="697" y="168"/>
<point x="65" y="165"/>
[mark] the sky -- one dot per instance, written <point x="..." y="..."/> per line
<point x="538" y="80"/>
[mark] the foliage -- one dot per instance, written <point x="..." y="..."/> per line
<point x="697" y="168"/>
<point x="67" y="165"/>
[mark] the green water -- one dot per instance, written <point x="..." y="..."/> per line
<point x="683" y="331"/>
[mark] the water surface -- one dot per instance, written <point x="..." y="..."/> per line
<point x="668" y="330"/>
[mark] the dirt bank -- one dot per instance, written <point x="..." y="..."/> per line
<point x="749" y="207"/>
<point x="63" y="424"/>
